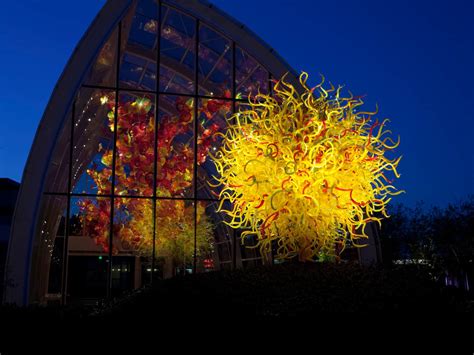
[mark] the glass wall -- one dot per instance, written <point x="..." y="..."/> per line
<point x="131" y="199"/>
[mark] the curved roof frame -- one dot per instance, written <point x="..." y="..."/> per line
<point x="18" y="268"/>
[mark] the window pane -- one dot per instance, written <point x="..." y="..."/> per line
<point x="175" y="147"/>
<point x="47" y="254"/>
<point x="137" y="72"/>
<point x="58" y="170"/>
<point x="134" y="169"/>
<point x="93" y="142"/>
<point x="103" y="71"/>
<point x="143" y="32"/>
<point x="217" y="253"/>
<point x="138" y="52"/>
<point x="133" y="243"/>
<point x="215" y="63"/>
<point x="89" y="226"/>
<point x="148" y="8"/>
<point x="177" y="50"/>
<point x="174" y="237"/>
<point x="176" y="82"/>
<point x="250" y="77"/>
<point x="213" y="115"/>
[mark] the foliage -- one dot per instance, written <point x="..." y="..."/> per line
<point x="441" y="237"/>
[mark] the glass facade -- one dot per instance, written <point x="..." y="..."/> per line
<point x="128" y="195"/>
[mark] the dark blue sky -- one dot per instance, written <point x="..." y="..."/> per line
<point x="414" y="58"/>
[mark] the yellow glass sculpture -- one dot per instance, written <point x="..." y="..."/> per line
<point x="305" y="170"/>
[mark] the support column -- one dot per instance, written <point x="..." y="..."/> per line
<point x="137" y="279"/>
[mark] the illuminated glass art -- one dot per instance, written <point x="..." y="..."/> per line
<point x="134" y="176"/>
<point x="305" y="171"/>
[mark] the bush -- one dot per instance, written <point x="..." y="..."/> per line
<point x="292" y="290"/>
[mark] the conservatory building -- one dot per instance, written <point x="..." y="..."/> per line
<point x="119" y="189"/>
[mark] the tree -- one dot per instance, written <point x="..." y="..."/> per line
<point x="443" y="238"/>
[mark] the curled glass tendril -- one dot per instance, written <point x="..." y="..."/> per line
<point x="305" y="171"/>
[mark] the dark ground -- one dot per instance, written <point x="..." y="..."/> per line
<point x="293" y="290"/>
<point x="294" y="294"/>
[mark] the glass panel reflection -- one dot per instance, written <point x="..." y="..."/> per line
<point x="47" y="254"/>
<point x="89" y="226"/>
<point x="213" y="116"/>
<point x="177" y="50"/>
<point x="103" y="72"/>
<point x="58" y="170"/>
<point x="250" y="77"/>
<point x="138" y="52"/>
<point x="175" y="147"/>
<point x="90" y="217"/>
<point x="175" y="236"/>
<point x="133" y="226"/>
<point x="135" y="152"/>
<point x="148" y="8"/>
<point x="218" y="255"/>
<point x="215" y="63"/>
<point x="143" y="32"/>
<point x="133" y="243"/>
<point x="137" y="72"/>
<point x="93" y="142"/>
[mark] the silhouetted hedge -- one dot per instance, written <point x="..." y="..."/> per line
<point x="291" y="290"/>
<point x="405" y="300"/>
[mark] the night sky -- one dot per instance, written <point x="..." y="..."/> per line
<point x="414" y="58"/>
